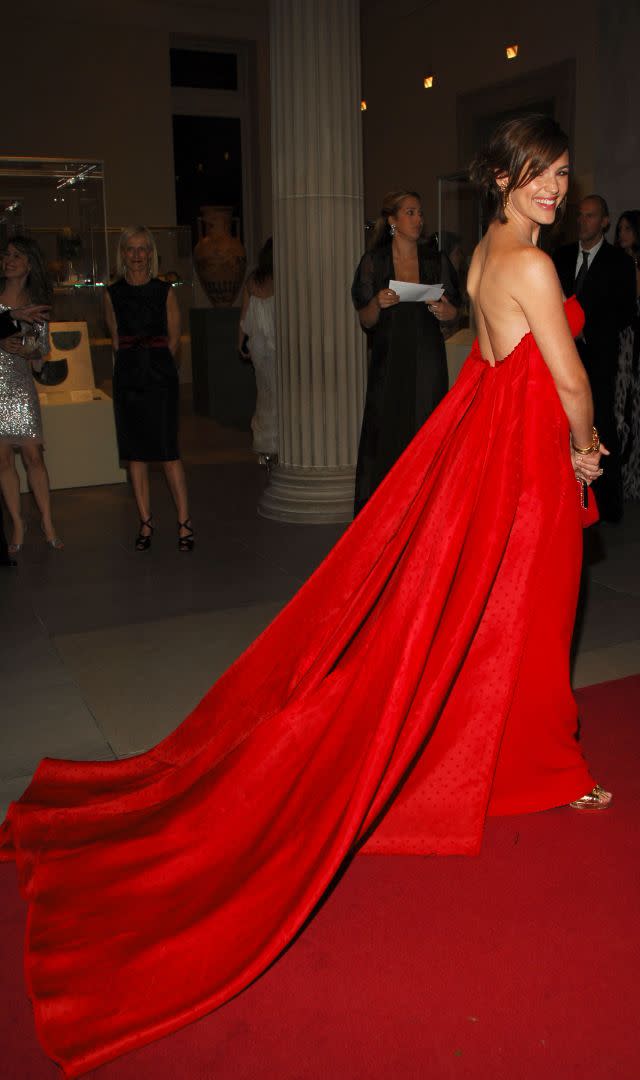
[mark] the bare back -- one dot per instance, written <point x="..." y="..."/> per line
<point x="516" y="291"/>
<point x="500" y="318"/>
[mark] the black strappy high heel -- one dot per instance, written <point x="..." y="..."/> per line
<point x="143" y="543"/>
<point x="185" y="543"/>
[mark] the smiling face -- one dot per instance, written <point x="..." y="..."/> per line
<point x="408" y="218"/>
<point x="15" y="264"/>
<point x="537" y="202"/>
<point x="136" y="255"/>
<point x="592" y="223"/>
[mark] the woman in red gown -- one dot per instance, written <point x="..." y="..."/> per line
<point x="428" y="687"/>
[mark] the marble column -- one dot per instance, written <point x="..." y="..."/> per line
<point x="318" y="238"/>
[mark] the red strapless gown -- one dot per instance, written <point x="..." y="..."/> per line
<point x="416" y="682"/>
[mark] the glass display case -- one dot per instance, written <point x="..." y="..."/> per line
<point x="59" y="202"/>
<point x="63" y="199"/>
<point x="460" y="227"/>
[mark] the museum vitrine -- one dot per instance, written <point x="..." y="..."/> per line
<point x="60" y="203"/>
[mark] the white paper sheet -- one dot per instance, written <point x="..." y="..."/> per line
<point x="408" y="292"/>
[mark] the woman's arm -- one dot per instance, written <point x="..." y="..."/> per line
<point x="32" y="344"/>
<point x="173" y="322"/>
<point x="536" y="288"/>
<point x="368" y="299"/>
<point x="10" y="320"/>
<point x="370" y="313"/>
<point x="42" y="345"/>
<point x="110" y="319"/>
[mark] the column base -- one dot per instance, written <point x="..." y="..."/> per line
<point x="309" y="496"/>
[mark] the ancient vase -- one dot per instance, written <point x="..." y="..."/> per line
<point x="219" y="257"/>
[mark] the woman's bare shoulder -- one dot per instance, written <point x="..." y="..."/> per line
<point x="520" y="267"/>
<point x="530" y="259"/>
<point x="531" y="274"/>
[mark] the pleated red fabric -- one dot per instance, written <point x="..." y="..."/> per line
<point x="418" y="681"/>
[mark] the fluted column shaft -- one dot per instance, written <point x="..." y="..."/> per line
<point x="318" y="236"/>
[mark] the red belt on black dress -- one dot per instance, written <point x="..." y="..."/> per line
<point x="139" y="342"/>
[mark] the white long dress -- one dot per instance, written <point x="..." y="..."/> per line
<point x="259" y="324"/>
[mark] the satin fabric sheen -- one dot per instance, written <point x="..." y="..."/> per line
<point x="428" y="686"/>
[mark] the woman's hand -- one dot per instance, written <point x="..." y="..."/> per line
<point x="443" y="309"/>
<point x="387" y="298"/>
<point x="587" y="466"/>
<point x="33" y="313"/>
<point x="16" y="345"/>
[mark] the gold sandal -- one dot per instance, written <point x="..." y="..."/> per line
<point x="596" y="799"/>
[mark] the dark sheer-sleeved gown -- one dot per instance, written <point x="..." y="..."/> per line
<point x="416" y="683"/>
<point x="408" y="371"/>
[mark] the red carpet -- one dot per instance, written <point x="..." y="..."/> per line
<point x="520" y="964"/>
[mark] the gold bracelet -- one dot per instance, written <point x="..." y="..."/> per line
<point x="593" y="447"/>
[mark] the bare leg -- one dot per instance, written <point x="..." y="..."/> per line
<point x="139" y="473"/>
<point x="177" y="481"/>
<point x="10" y="488"/>
<point x="38" y="478"/>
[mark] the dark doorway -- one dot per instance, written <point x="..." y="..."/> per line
<point x="208" y="166"/>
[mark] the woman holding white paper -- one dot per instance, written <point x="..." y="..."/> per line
<point x="408" y="373"/>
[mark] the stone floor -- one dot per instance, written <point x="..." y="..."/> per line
<point x="105" y="649"/>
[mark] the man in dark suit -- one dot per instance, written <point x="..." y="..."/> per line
<point x="9" y="328"/>
<point x="603" y="279"/>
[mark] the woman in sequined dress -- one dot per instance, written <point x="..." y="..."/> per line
<point x="23" y="280"/>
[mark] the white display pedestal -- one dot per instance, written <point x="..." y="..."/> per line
<point x="77" y="421"/>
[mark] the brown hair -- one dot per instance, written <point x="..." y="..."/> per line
<point x="381" y="232"/>
<point x="519" y="149"/>
<point x="264" y="268"/>
<point x="632" y="218"/>
<point x="38" y="284"/>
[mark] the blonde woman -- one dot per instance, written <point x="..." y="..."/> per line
<point x="144" y="322"/>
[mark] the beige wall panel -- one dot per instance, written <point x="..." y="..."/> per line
<point x="410" y="134"/>
<point x="94" y="92"/>
<point x="95" y="83"/>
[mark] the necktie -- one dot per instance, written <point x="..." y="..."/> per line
<point x="582" y="273"/>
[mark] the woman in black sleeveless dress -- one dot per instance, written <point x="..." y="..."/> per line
<point x="144" y="322"/>
<point x="408" y="374"/>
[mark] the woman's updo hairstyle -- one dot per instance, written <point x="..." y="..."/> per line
<point x="381" y="232"/>
<point x="519" y="149"/>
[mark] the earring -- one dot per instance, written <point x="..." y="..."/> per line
<point x="505" y="199"/>
<point x="392" y="229"/>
